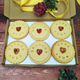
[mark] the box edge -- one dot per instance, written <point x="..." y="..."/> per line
<point x="5" y="40"/>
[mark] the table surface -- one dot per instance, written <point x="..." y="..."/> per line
<point x="23" y="73"/>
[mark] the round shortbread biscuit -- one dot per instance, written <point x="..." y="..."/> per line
<point x="63" y="51"/>
<point x="39" y="31"/>
<point x="16" y="52"/>
<point x="18" y="29"/>
<point x="39" y="52"/>
<point x="60" y="29"/>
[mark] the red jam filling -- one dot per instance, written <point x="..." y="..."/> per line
<point x="16" y="51"/>
<point x="39" y="30"/>
<point x="62" y="50"/>
<point x="61" y="28"/>
<point x="39" y="51"/>
<point x="18" y="28"/>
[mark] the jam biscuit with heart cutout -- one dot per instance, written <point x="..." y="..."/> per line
<point x="16" y="52"/>
<point x="39" y="52"/>
<point x="39" y="31"/>
<point x="18" y="29"/>
<point x="60" y="29"/>
<point x="63" y="51"/>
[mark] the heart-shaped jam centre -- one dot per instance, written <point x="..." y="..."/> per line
<point x="39" y="51"/>
<point x="16" y="50"/>
<point x="61" y="28"/>
<point x="62" y="50"/>
<point x="18" y="28"/>
<point x="39" y="30"/>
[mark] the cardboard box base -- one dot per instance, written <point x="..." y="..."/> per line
<point x="21" y="65"/>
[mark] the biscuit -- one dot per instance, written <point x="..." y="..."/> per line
<point x="16" y="52"/>
<point x="18" y="29"/>
<point x="63" y="51"/>
<point x="60" y="29"/>
<point x="39" y="31"/>
<point x="39" y="52"/>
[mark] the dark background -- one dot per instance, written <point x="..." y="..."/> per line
<point x="22" y="73"/>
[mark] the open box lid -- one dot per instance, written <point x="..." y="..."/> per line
<point x="13" y="11"/>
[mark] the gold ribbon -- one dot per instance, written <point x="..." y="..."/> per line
<point x="24" y="5"/>
<point x="78" y="2"/>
